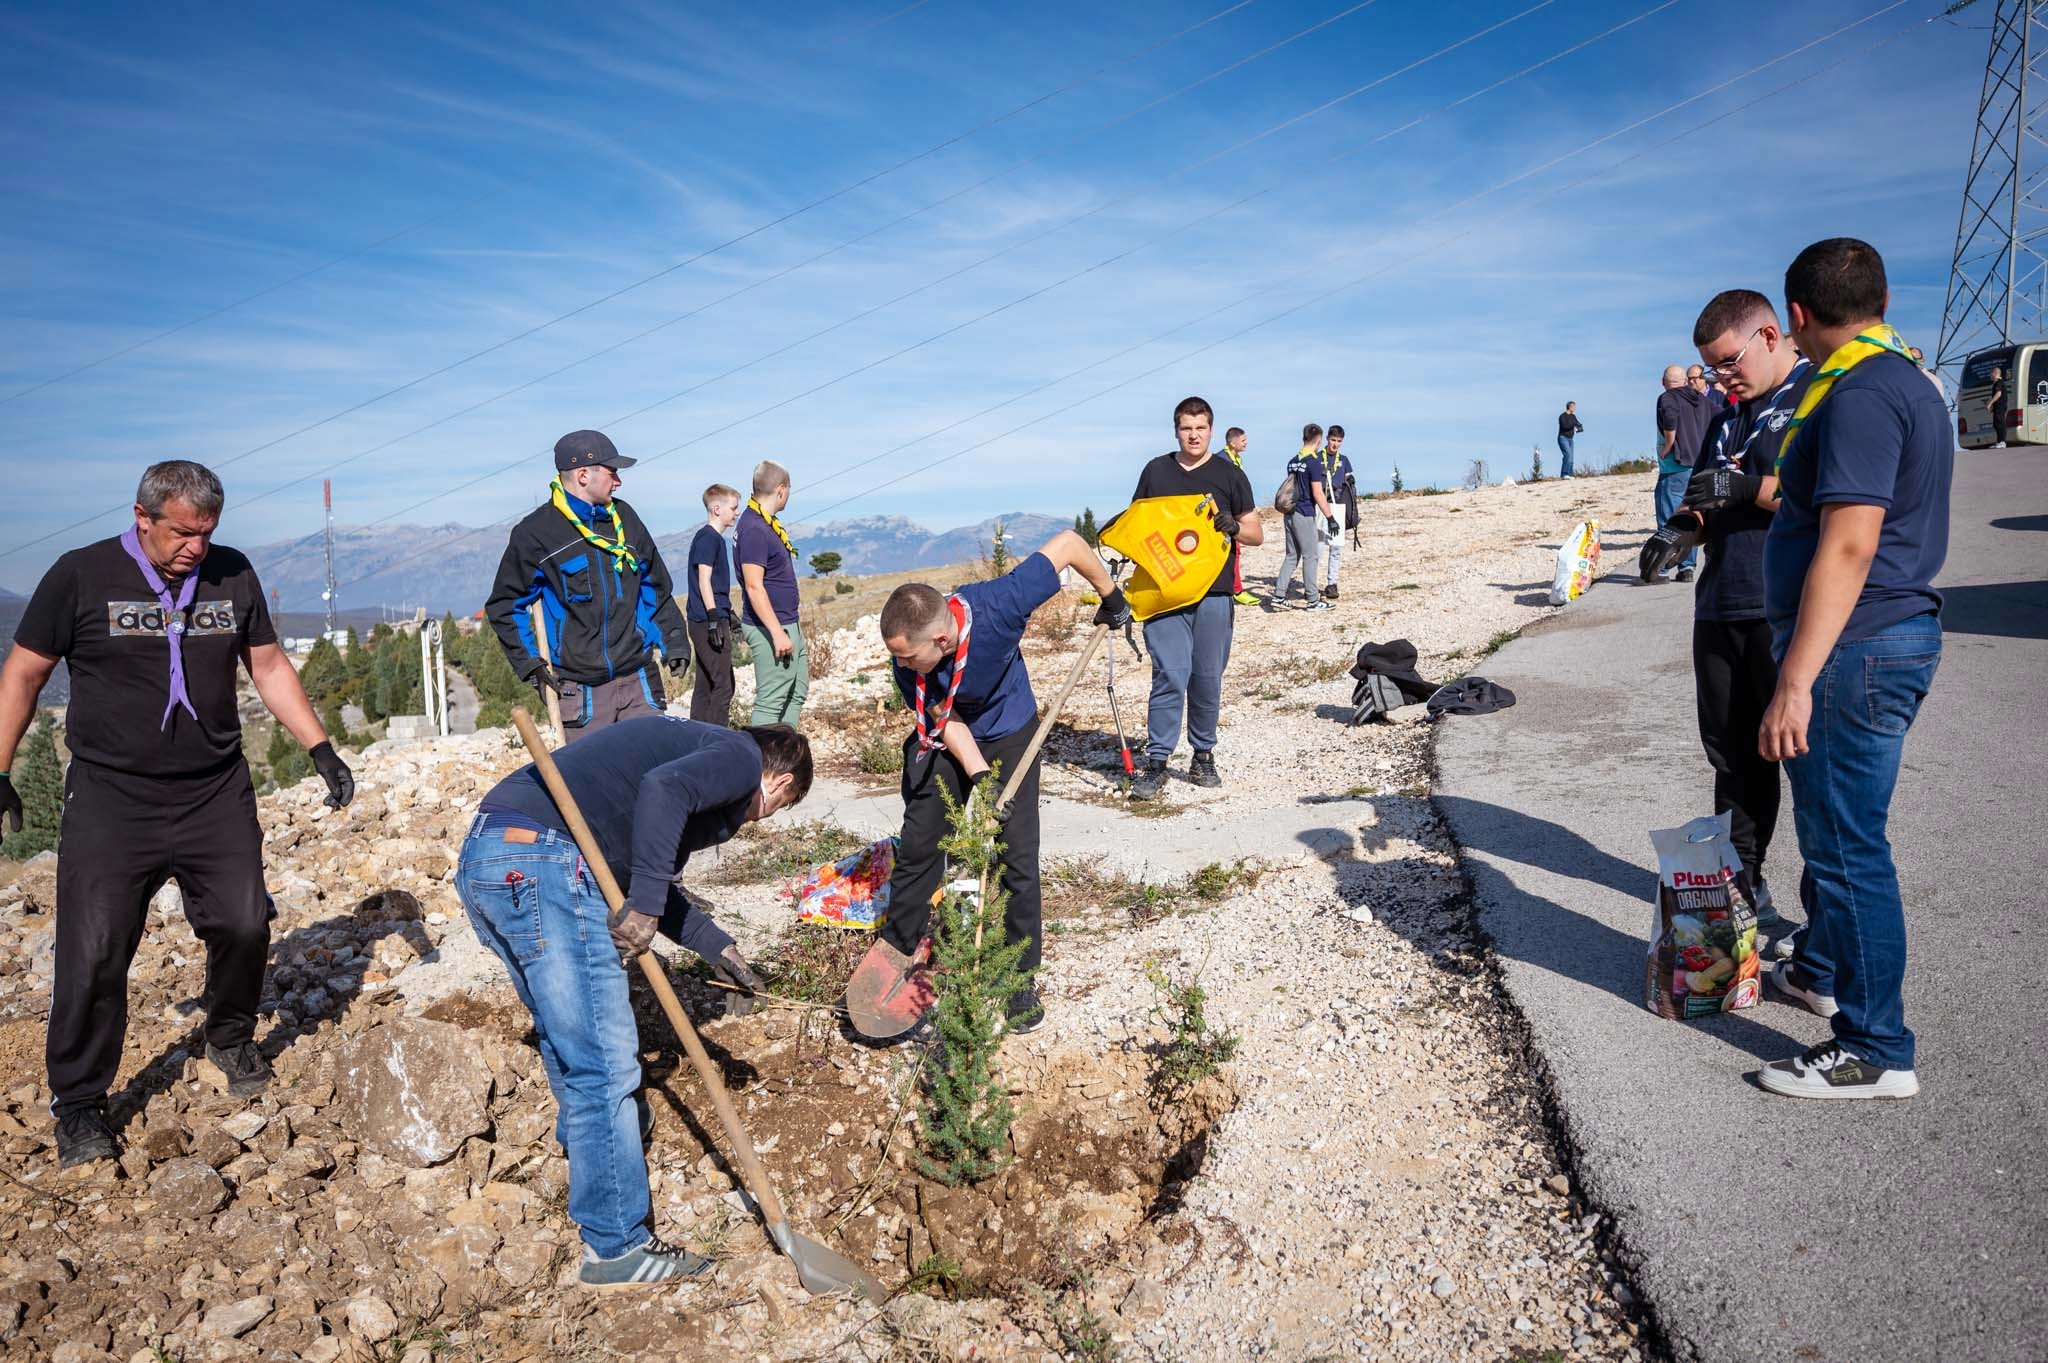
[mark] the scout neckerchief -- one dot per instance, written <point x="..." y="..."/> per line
<point x="174" y="620"/>
<point x="754" y="505"/>
<point x="928" y="731"/>
<point x="1876" y="341"/>
<point x="622" y="554"/>
<point x="1772" y="406"/>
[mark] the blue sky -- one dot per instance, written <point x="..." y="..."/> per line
<point x="485" y="170"/>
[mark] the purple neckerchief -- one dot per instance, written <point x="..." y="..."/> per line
<point x="174" y="620"/>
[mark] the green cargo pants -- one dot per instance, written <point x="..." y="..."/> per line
<point x="780" y="684"/>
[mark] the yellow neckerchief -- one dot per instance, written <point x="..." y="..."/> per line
<point x="623" y="559"/>
<point x="1876" y="341"/>
<point x="1236" y="456"/>
<point x="1331" y="460"/>
<point x="754" y="505"/>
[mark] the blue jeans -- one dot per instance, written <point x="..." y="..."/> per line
<point x="536" y="906"/>
<point x="1564" y="450"/>
<point x="1854" y="946"/>
<point x="1190" y="648"/>
<point x="1670" y="495"/>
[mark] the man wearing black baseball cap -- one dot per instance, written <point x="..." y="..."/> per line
<point x="606" y="598"/>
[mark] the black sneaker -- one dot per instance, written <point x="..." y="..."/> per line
<point x="1684" y="574"/>
<point x="244" y="1067"/>
<point x="1151" y="780"/>
<point x="1830" y="1071"/>
<point x="84" y="1136"/>
<point x="1202" y="770"/>
<point x="1025" y="1011"/>
<point x="1330" y="592"/>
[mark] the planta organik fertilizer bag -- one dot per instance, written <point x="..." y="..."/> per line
<point x="1578" y="560"/>
<point x="1702" y="956"/>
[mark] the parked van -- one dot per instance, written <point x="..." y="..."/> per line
<point x="2024" y="365"/>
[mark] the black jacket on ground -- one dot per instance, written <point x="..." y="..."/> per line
<point x="601" y="622"/>
<point x="1395" y="660"/>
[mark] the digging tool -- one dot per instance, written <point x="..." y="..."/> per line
<point x="890" y="991"/>
<point x="540" y="639"/>
<point x="820" y="1269"/>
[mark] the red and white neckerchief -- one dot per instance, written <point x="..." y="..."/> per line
<point x="928" y="731"/>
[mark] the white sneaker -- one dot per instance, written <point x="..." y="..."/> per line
<point x="1799" y="991"/>
<point x="1830" y="1071"/>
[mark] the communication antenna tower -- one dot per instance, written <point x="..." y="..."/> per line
<point x="329" y="593"/>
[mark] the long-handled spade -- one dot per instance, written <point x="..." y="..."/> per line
<point x="818" y="1268"/>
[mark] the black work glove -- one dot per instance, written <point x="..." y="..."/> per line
<point x="732" y="968"/>
<point x="1331" y="523"/>
<point x="1682" y="532"/>
<point x="1114" y="610"/>
<point x="714" y="633"/>
<point x="544" y="679"/>
<point x="341" y="782"/>
<point x="10" y="804"/>
<point x="677" y="662"/>
<point x="632" y="931"/>
<point x="1226" y="524"/>
<point x="1712" y="489"/>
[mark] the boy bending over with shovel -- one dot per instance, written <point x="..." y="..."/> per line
<point x="652" y="791"/>
<point x="960" y="672"/>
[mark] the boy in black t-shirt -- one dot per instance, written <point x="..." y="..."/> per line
<point x="1190" y="647"/>
<point x="709" y="593"/>
<point x="153" y="624"/>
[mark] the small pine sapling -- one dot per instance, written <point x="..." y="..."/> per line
<point x="967" y="1110"/>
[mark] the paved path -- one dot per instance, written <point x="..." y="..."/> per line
<point x="1768" y="1228"/>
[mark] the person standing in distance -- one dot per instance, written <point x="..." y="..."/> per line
<point x="1568" y="428"/>
<point x="1849" y="565"/>
<point x="1311" y="513"/>
<point x="1234" y="442"/>
<point x="152" y="624"/>
<point x="1190" y="647"/>
<point x="606" y="598"/>
<point x="769" y="601"/>
<point x="1341" y="486"/>
<point x="2000" y="394"/>
<point x="1683" y="411"/>
<point x="709" y="593"/>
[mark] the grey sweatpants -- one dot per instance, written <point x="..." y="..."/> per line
<point x="1303" y="549"/>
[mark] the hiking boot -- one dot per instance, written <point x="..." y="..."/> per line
<point x="1330" y="592"/>
<point x="1202" y="770"/>
<point x="1684" y="575"/>
<point x="1246" y="598"/>
<point x="84" y="1136"/>
<point x="1025" y="1011"/>
<point x="1151" y="780"/>
<point x="651" y="1265"/>
<point x="243" y="1066"/>
<point x="1830" y="1071"/>
<point x="1797" y="988"/>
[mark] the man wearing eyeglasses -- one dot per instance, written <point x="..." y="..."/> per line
<point x="1682" y="415"/>
<point x="1734" y="491"/>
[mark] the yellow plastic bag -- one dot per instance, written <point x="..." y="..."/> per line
<point x="1174" y="548"/>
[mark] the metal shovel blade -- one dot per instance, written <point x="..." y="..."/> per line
<point x="889" y="991"/>
<point x="823" y="1270"/>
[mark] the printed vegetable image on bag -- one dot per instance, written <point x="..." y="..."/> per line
<point x="1702" y="957"/>
<point x="1578" y="563"/>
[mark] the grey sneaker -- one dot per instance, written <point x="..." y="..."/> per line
<point x="1798" y="990"/>
<point x="651" y="1265"/>
<point x="1202" y="770"/>
<point x="83" y="1136"/>
<point x="247" y="1072"/>
<point x="1151" y="780"/>
<point x="1319" y="604"/>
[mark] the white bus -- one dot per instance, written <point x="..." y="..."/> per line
<point x="2023" y="366"/>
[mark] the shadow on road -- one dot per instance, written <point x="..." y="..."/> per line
<point x="2009" y="610"/>
<point x="2020" y="523"/>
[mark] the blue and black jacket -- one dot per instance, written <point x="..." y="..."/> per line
<point x="602" y="621"/>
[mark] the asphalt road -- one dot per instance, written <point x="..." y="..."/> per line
<point x="1766" y="1227"/>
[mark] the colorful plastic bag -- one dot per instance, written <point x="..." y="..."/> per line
<point x="1578" y="562"/>
<point x="1702" y="957"/>
<point x="852" y="892"/>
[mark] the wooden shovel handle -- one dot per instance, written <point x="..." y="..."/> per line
<point x="1052" y="713"/>
<point x="751" y="1172"/>
<point x="540" y="640"/>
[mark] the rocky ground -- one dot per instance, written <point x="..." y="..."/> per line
<point x="1372" y="1176"/>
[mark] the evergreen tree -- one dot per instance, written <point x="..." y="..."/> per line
<point x="967" y="1110"/>
<point x="998" y="553"/>
<point x="39" y="781"/>
<point x="1536" y="463"/>
<point x="1397" y="478"/>
<point x="325" y="674"/>
<point x="1084" y="526"/>
<point x="288" y="762"/>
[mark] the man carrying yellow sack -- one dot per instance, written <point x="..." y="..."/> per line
<point x="1190" y="646"/>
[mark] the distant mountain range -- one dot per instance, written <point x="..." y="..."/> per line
<point x="450" y="567"/>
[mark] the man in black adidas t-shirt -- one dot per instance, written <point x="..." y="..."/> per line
<point x="153" y="624"/>
<point x="1735" y="490"/>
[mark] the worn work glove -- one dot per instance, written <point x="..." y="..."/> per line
<point x="732" y="968"/>
<point x="1226" y="524"/>
<point x="544" y="679"/>
<point x="1330" y="523"/>
<point x="677" y="662"/>
<point x="714" y="634"/>
<point x="10" y="804"/>
<point x="1668" y="545"/>
<point x="341" y="782"/>
<point x="632" y="931"/>
<point x="1712" y="489"/>
<point x="1114" y="610"/>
